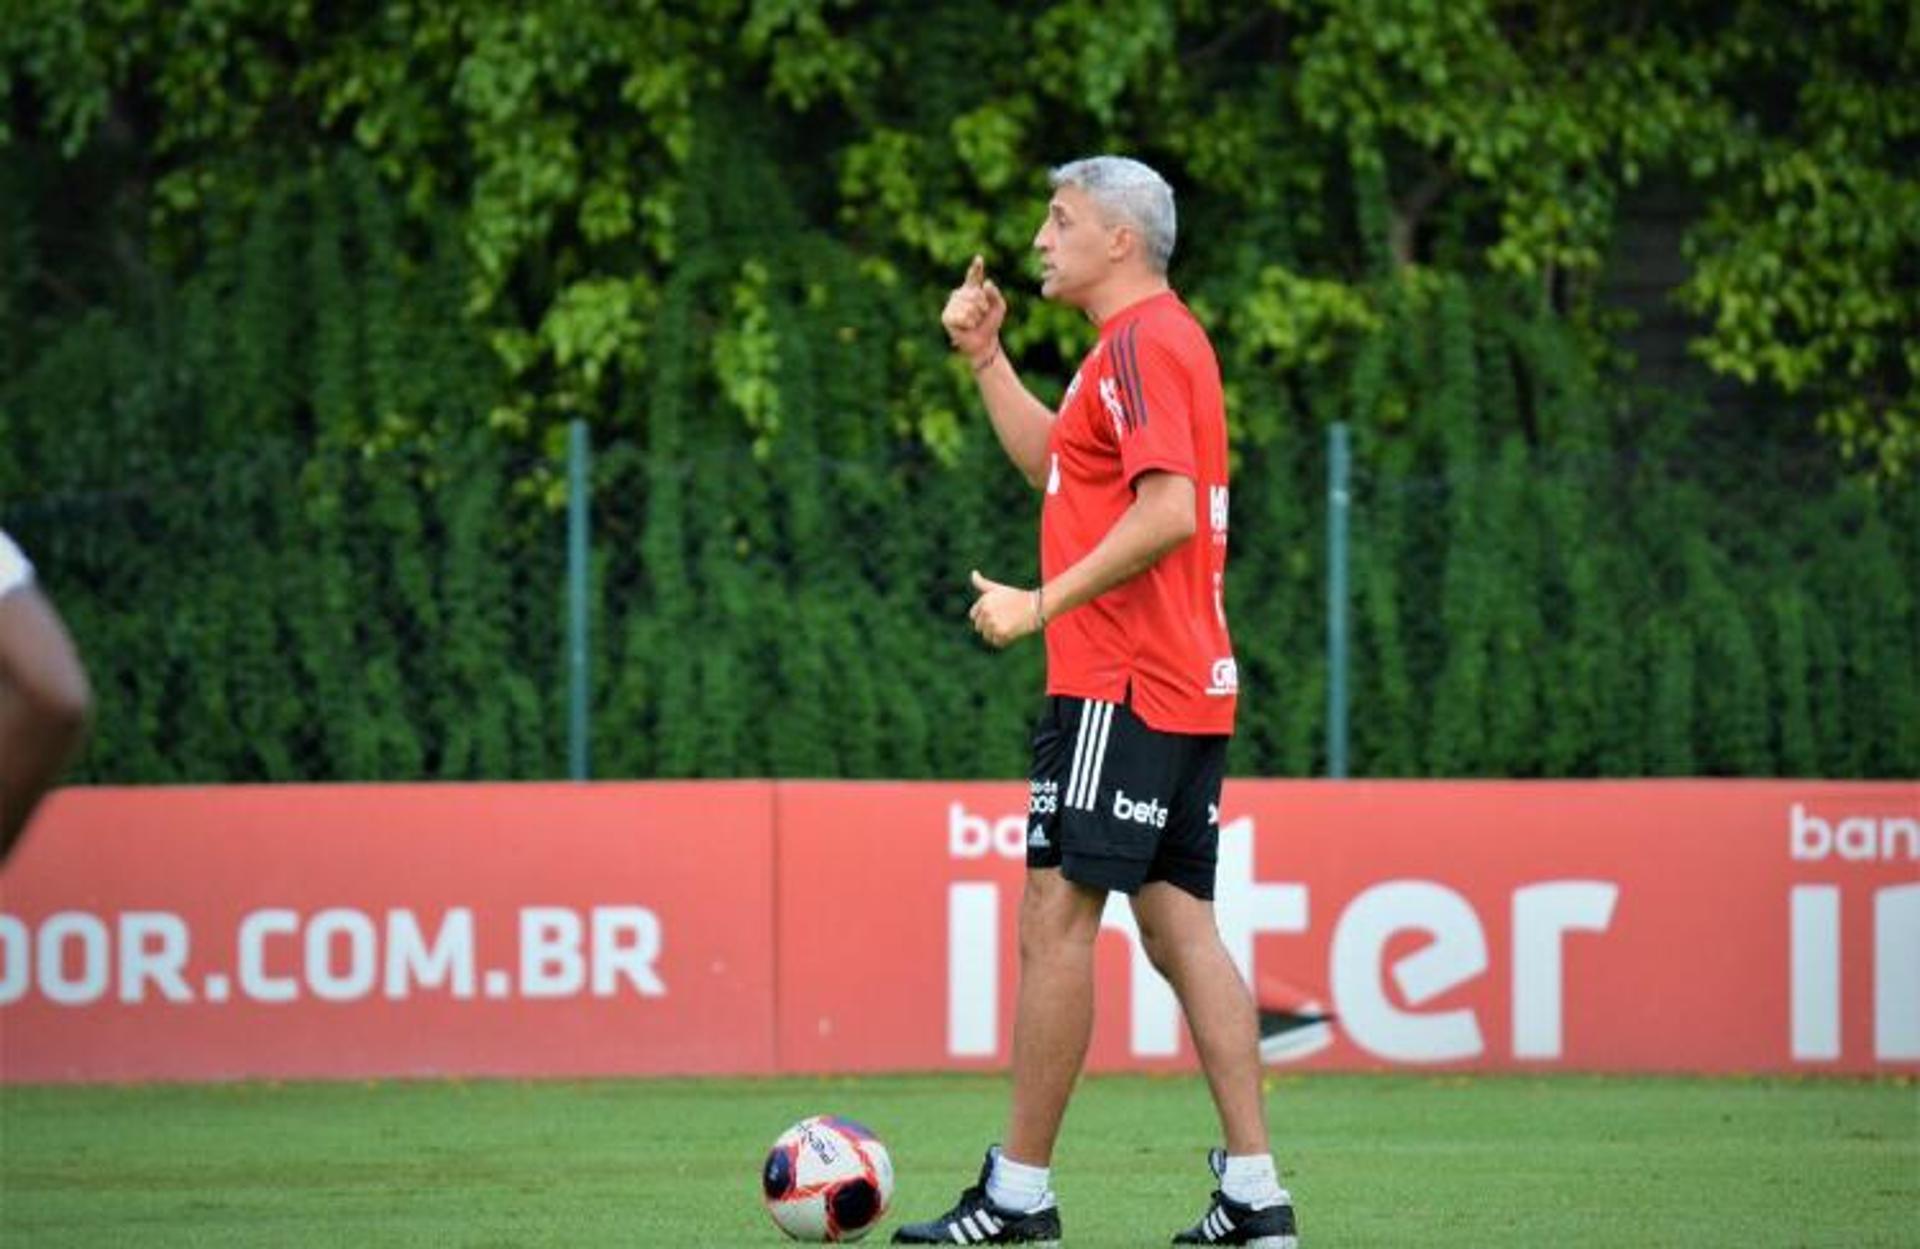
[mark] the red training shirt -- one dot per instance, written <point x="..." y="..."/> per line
<point x="1146" y="397"/>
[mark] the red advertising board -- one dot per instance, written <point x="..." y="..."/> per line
<point x="754" y="927"/>
<point x="389" y="930"/>
<point x="1646" y="926"/>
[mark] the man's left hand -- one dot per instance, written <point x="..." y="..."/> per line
<point x="1003" y="613"/>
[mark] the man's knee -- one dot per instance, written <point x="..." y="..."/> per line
<point x="1174" y="928"/>
<point x="1161" y="948"/>
<point x="1057" y="916"/>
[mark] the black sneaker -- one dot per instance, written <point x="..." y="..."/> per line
<point x="977" y="1221"/>
<point x="1228" y="1222"/>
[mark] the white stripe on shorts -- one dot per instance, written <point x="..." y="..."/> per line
<point x="1099" y="768"/>
<point x="1088" y="764"/>
<point x="1100" y="757"/>
<point x="1079" y="756"/>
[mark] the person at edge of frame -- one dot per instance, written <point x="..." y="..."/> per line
<point x="45" y="701"/>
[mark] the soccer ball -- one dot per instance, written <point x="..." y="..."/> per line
<point x="827" y="1178"/>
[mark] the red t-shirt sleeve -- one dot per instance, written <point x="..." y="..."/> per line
<point x="1157" y="399"/>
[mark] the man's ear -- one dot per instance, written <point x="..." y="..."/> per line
<point x="1123" y="242"/>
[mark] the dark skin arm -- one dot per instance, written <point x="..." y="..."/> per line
<point x="44" y="707"/>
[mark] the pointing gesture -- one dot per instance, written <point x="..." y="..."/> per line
<point x="973" y="315"/>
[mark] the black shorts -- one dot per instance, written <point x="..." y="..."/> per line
<point x="1115" y="804"/>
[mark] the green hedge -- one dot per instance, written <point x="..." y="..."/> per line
<point x="1542" y="587"/>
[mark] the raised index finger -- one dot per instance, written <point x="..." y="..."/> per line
<point x="976" y="272"/>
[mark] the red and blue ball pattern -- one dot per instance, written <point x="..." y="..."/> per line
<point x="828" y="1178"/>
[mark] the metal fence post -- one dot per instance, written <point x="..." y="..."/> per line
<point x="1339" y="501"/>
<point x="579" y="672"/>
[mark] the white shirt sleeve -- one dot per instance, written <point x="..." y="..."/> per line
<point x="15" y="570"/>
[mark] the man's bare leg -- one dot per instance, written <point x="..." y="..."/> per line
<point x="1183" y="941"/>
<point x="1059" y="921"/>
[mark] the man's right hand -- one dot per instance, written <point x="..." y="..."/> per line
<point x="973" y="315"/>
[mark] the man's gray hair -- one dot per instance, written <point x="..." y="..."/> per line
<point x="1131" y="192"/>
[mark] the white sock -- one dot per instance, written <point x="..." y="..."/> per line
<point x="1017" y="1186"/>
<point x="1251" y="1180"/>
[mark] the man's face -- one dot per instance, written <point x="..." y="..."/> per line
<point x="1076" y="246"/>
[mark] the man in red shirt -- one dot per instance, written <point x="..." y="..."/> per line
<point x="1129" y="754"/>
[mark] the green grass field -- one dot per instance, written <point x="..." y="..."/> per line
<point x="1372" y="1160"/>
